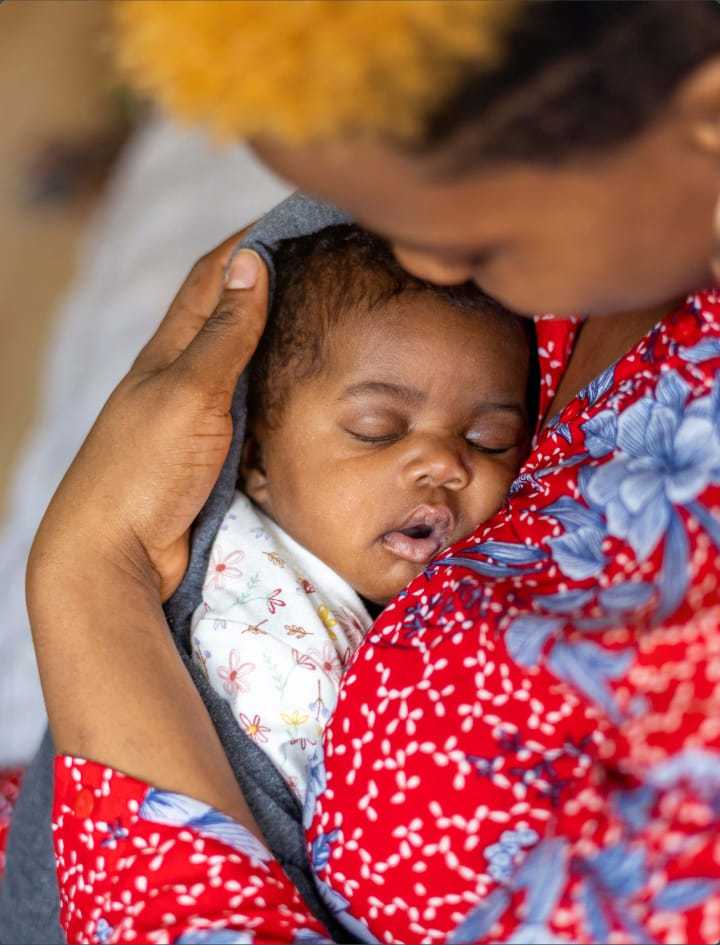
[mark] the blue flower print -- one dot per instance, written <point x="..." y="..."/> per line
<point x="320" y="849"/>
<point x="612" y="876"/>
<point x="481" y="919"/>
<point x="541" y="876"/>
<point x="668" y="457"/>
<point x="103" y="931"/>
<point x="563" y="430"/>
<point x="335" y="901"/>
<point x="698" y="767"/>
<point x="582" y="663"/>
<point x="600" y="433"/>
<point x="599" y="386"/>
<point x="620" y="869"/>
<point x="116" y="832"/>
<point x="338" y="906"/>
<point x="167" y="807"/>
<point x="634" y="806"/>
<point x="588" y="667"/>
<point x="526" y="636"/>
<point x="534" y="934"/>
<point x="216" y="937"/>
<point x="501" y="855"/>
<point x="681" y="894"/>
<point x="704" y="350"/>
<point x="578" y="551"/>
<point x="504" y="559"/>
<point x="308" y="937"/>
<point x="316" y="783"/>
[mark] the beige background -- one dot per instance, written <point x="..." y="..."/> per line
<point x="55" y="83"/>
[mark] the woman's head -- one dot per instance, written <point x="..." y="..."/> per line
<point x="566" y="157"/>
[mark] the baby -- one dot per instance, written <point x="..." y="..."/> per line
<point x="387" y="418"/>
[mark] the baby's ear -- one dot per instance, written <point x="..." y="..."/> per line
<point x="253" y="478"/>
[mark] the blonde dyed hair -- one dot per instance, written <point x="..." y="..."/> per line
<point x="301" y="70"/>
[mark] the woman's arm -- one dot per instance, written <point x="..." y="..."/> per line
<point x="115" y="687"/>
<point x="114" y="543"/>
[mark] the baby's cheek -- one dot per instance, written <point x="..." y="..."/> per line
<point x="489" y="492"/>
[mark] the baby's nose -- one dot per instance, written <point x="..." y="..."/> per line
<point x="440" y="464"/>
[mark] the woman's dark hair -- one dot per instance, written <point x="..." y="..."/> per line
<point x="578" y="76"/>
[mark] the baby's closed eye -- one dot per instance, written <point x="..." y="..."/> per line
<point x="375" y="428"/>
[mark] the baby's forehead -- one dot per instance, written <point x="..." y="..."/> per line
<point x="413" y="315"/>
<point x="426" y="342"/>
<point x="342" y="302"/>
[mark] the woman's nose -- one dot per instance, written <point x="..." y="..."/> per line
<point x="439" y="465"/>
<point x="433" y="268"/>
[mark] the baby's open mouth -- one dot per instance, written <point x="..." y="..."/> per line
<point x="425" y="532"/>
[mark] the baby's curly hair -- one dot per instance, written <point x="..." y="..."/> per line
<point x="339" y="272"/>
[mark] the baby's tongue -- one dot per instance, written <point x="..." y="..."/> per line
<point x="417" y="550"/>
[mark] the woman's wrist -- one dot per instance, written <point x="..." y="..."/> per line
<point x="99" y="623"/>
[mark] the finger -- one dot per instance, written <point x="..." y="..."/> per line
<point x="193" y="304"/>
<point x="227" y="340"/>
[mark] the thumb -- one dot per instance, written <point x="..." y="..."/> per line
<point x="221" y="350"/>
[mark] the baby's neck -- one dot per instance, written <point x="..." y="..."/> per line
<point x="372" y="608"/>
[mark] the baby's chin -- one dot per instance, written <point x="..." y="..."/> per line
<point x="383" y="591"/>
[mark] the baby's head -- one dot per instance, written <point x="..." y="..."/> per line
<point x="388" y="416"/>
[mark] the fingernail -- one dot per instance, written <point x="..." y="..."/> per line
<point x="243" y="271"/>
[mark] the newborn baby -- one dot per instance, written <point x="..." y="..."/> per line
<point x="387" y="418"/>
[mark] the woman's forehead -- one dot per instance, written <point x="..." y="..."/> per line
<point x="370" y="180"/>
<point x="398" y="196"/>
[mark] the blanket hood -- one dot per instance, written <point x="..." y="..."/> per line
<point x="275" y="808"/>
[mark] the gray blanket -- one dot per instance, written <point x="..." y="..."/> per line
<point x="28" y="894"/>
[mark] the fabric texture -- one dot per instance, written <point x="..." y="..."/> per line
<point x="526" y="747"/>
<point x="273" y="634"/>
<point x="28" y="891"/>
<point x="274" y="806"/>
<point x="10" y="779"/>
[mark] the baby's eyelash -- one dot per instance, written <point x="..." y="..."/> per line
<point x="387" y="438"/>
<point x="486" y="449"/>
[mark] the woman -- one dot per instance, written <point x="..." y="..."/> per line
<point x="526" y="747"/>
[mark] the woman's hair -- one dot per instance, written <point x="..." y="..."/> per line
<point x="468" y="80"/>
<point x="320" y="280"/>
<point x="576" y="77"/>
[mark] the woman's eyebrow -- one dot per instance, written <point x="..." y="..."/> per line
<point x="401" y="392"/>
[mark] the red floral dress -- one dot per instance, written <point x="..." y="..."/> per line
<point x="527" y="743"/>
<point x="10" y="779"/>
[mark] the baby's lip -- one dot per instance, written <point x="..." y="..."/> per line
<point x="422" y="534"/>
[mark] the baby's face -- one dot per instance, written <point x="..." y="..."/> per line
<point x="408" y="439"/>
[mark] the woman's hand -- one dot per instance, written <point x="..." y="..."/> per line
<point x="155" y="452"/>
<point x="114" y="543"/>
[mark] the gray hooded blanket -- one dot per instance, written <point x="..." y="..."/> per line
<point x="28" y="894"/>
